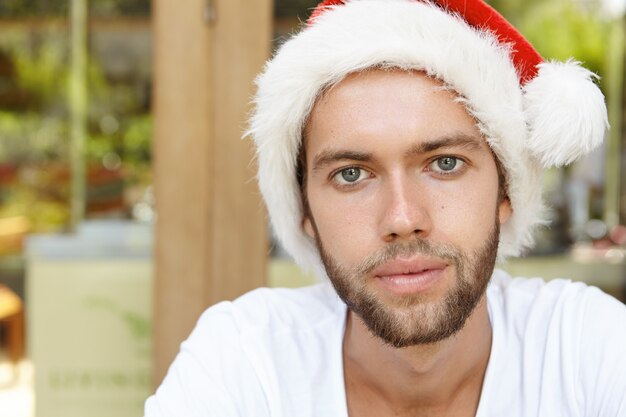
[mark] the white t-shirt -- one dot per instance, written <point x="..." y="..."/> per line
<point x="558" y="349"/>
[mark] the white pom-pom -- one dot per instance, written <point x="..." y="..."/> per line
<point x="565" y="113"/>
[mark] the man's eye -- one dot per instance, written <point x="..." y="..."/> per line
<point x="350" y="175"/>
<point x="446" y="164"/>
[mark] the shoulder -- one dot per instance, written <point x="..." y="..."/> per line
<point x="526" y="296"/>
<point x="263" y="316"/>
<point x="270" y="310"/>
<point x="572" y="304"/>
<point x="234" y="359"/>
<point x="565" y="332"/>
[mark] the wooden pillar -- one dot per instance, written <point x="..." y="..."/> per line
<point x="211" y="241"/>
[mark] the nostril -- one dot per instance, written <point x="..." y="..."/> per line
<point x="391" y="237"/>
<point x="394" y="236"/>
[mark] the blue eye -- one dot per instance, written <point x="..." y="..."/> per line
<point x="350" y="176"/>
<point x="447" y="165"/>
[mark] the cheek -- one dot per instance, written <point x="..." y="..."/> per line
<point x="346" y="226"/>
<point x="464" y="217"/>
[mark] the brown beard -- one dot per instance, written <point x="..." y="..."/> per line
<point x="412" y="320"/>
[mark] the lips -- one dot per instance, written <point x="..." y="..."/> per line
<point x="408" y="267"/>
<point x="407" y="276"/>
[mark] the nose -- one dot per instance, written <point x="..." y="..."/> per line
<point x="406" y="212"/>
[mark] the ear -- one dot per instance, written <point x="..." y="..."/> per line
<point x="504" y="210"/>
<point x="307" y="225"/>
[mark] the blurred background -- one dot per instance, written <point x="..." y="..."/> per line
<point x="114" y="113"/>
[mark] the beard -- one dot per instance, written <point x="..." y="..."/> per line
<point x="413" y="319"/>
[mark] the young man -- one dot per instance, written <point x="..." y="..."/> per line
<point x="400" y="148"/>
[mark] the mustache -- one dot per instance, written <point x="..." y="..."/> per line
<point x="418" y="246"/>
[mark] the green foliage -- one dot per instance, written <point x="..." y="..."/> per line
<point x="42" y="71"/>
<point x="34" y="138"/>
<point x="14" y="8"/>
<point x="137" y="138"/>
<point x="29" y="8"/>
<point x="514" y="10"/>
<point x="44" y="213"/>
<point x="131" y="140"/>
<point x="562" y="29"/>
<point x="30" y="137"/>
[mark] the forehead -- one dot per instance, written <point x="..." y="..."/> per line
<point x="386" y="75"/>
<point x="388" y="105"/>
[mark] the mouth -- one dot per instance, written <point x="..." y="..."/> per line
<point x="410" y="276"/>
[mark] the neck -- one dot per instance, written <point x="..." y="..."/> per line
<point x="444" y="376"/>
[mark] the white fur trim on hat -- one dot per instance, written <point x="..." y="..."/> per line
<point x="566" y="113"/>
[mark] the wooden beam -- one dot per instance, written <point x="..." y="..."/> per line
<point x="211" y="241"/>
<point x="182" y="133"/>
<point x="242" y="41"/>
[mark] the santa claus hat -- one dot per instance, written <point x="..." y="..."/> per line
<point x="533" y="114"/>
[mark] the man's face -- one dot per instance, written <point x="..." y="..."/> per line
<point x="402" y="195"/>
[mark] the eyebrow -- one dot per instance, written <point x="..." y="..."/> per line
<point x="329" y="156"/>
<point x="460" y="140"/>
